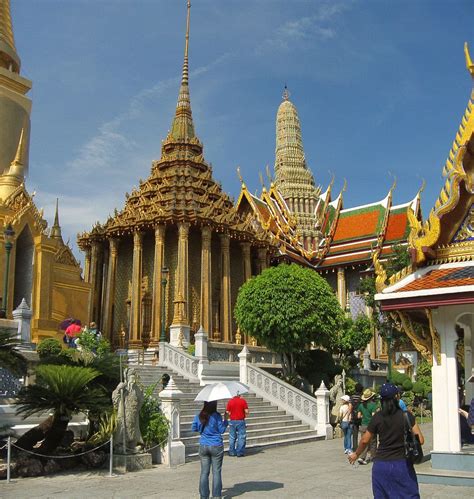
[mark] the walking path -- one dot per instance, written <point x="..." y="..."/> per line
<point x="312" y="470"/>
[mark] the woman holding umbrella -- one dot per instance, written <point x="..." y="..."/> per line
<point x="211" y="425"/>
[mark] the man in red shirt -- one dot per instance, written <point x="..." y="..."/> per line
<point x="238" y="410"/>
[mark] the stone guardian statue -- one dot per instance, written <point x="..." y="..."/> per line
<point x="128" y="400"/>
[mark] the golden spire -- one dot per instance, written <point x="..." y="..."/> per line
<point x="183" y="128"/>
<point x="8" y="57"/>
<point x="17" y="167"/>
<point x="55" y="232"/>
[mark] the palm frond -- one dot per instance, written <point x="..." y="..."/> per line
<point x="62" y="389"/>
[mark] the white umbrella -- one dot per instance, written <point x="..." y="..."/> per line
<point x="221" y="390"/>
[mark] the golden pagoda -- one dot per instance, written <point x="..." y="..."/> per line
<point x="43" y="270"/>
<point x="180" y="219"/>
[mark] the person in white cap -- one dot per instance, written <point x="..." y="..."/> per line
<point x="345" y="417"/>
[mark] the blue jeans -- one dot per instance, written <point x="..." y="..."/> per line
<point x="237" y="437"/>
<point x="211" y="455"/>
<point x="347" y="429"/>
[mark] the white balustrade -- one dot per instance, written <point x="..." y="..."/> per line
<point x="295" y="402"/>
<point x="178" y="360"/>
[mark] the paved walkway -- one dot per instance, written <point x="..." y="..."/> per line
<point x="313" y="470"/>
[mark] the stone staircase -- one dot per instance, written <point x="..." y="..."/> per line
<point x="267" y="425"/>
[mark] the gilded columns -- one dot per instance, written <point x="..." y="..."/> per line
<point x="182" y="270"/>
<point x="87" y="265"/>
<point x="159" y="262"/>
<point x="136" y="288"/>
<point x="226" y="313"/>
<point x="247" y="261"/>
<point x="110" y="291"/>
<point x="206" y="292"/>
<point x="341" y="288"/>
<point x="93" y="272"/>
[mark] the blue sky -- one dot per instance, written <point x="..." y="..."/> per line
<point x="380" y="86"/>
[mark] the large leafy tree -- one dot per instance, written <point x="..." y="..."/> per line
<point x="64" y="391"/>
<point x="287" y="308"/>
<point x="354" y="335"/>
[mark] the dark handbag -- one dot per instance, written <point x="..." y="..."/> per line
<point x="413" y="449"/>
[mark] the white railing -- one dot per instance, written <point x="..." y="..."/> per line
<point x="285" y="396"/>
<point x="179" y="361"/>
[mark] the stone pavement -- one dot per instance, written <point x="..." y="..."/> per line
<point x="313" y="470"/>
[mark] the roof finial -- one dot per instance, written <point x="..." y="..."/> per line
<point x="55" y="232"/>
<point x="469" y="63"/>
<point x="182" y="128"/>
<point x="286" y="93"/>
<point x="185" y="77"/>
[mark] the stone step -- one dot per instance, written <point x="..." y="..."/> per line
<point x="258" y="411"/>
<point x="194" y="453"/>
<point x="264" y="440"/>
<point x="193" y="437"/>
<point x="250" y="420"/>
<point x="251" y="427"/>
<point x="192" y="404"/>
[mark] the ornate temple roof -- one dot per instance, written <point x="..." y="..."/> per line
<point x="180" y="187"/>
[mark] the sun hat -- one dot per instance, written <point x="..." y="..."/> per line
<point x="346" y="398"/>
<point x="368" y="394"/>
<point x="388" y="390"/>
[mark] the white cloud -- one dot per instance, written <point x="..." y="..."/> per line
<point x="319" y="26"/>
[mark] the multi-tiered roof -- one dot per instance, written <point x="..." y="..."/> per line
<point x="181" y="187"/>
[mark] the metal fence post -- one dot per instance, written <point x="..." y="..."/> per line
<point x="9" y="456"/>
<point x="111" y="463"/>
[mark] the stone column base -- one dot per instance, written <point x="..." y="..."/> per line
<point x="173" y="454"/>
<point x="179" y="335"/>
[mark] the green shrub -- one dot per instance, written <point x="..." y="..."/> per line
<point x="50" y="347"/>
<point x="419" y="388"/>
<point x="192" y="349"/>
<point x="154" y="426"/>
<point x="350" y="386"/>
<point x="407" y="385"/>
<point x="317" y="366"/>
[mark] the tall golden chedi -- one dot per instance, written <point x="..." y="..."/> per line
<point x="180" y="219"/>
<point x="293" y="179"/>
<point x="43" y="269"/>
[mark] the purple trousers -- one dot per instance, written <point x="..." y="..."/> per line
<point x="394" y="480"/>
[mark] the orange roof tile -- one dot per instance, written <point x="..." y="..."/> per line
<point x="358" y="225"/>
<point x="442" y="278"/>
<point x="396" y="227"/>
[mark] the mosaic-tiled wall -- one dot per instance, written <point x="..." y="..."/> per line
<point x="236" y="277"/>
<point x="123" y="277"/>
<point x="216" y="281"/>
<point x="194" y="279"/>
<point x="171" y="261"/>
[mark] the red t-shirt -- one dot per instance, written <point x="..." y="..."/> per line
<point x="73" y="330"/>
<point x="236" y="407"/>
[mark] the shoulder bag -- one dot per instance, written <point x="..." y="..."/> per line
<point x="413" y="449"/>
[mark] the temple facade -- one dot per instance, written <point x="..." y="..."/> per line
<point x="39" y="267"/>
<point x="178" y="219"/>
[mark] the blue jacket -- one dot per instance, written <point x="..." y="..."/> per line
<point x="212" y="434"/>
